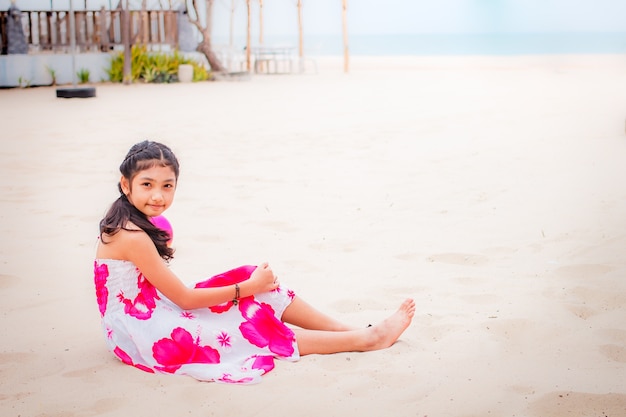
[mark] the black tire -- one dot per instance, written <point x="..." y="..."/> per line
<point x="79" y="92"/>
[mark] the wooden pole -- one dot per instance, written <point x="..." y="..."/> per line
<point x="300" y="34"/>
<point x="248" y="38"/>
<point x="209" y="17"/>
<point x="104" y="41"/>
<point x="260" y="22"/>
<point x="127" y="69"/>
<point x="231" y="41"/>
<point x="300" y="38"/>
<point x="73" y="42"/>
<point x="49" y="29"/>
<point x="346" y="53"/>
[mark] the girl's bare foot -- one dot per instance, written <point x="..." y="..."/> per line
<point x="386" y="333"/>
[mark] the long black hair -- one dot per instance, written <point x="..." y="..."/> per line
<point x="143" y="155"/>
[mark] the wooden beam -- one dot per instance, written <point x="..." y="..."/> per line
<point x="300" y="32"/>
<point x="346" y="51"/>
<point x="248" y="39"/>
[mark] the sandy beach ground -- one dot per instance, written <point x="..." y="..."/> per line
<point x="490" y="189"/>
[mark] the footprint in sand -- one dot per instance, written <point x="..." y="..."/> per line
<point x="559" y="403"/>
<point x="615" y="353"/>
<point x="7" y="281"/>
<point x="583" y="270"/>
<point x="586" y="301"/>
<point x="16" y="357"/>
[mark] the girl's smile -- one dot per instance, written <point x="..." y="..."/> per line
<point x="152" y="190"/>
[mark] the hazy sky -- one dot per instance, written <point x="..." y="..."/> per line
<point x="438" y="16"/>
<point x="408" y="16"/>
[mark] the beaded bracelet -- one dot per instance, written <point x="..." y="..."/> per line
<point x="236" y="299"/>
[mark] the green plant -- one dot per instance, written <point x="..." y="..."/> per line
<point x="116" y="70"/>
<point x="150" y="74"/>
<point x="199" y="73"/>
<point x="53" y="74"/>
<point x="162" y="66"/>
<point x="154" y="67"/>
<point x="23" y="82"/>
<point x="83" y="75"/>
<point x="139" y="59"/>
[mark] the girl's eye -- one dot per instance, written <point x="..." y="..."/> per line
<point x="146" y="184"/>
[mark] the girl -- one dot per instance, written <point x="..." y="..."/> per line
<point x="228" y="328"/>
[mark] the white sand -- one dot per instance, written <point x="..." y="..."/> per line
<point x="492" y="190"/>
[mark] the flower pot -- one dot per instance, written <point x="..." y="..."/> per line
<point x="185" y="73"/>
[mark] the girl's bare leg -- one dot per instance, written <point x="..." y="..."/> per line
<point x="301" y="314"/>
<point x="377" y="337"/>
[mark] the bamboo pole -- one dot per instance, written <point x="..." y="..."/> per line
<point x="346" y="53"/>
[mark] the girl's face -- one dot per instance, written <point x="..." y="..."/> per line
<point x="151" y="191"/>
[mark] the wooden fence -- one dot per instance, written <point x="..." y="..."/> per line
<point x="96" y="30"/>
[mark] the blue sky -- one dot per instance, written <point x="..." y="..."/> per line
<point x="409" y="16"/>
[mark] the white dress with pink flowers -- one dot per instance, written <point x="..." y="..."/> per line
<point x="230" y="342"/>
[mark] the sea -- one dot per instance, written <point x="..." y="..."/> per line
<point x="460" y="44"/>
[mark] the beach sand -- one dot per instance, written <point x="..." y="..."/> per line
<point x="490" y="189"/>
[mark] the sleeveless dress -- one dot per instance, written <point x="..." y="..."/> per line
<point x="230" y="342"/>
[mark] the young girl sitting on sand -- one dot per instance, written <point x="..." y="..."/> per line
<point x="228" y="328"/>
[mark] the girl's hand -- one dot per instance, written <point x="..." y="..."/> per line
<point x="263" y="279"/>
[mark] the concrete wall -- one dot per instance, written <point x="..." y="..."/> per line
<point x="32" y="69"/>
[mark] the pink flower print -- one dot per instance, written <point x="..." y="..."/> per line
<point x="220" y="308"/>
<point x="182" y="349"/>
<point x="263" y="362"/>
<point x="262" y="328"/>
<point x="224" y="339"/>
<point x="143" y="305"/>
<point x="187" y="315"/>
<point x="229" y="379"/>
<point x="101" y="273"/>
<point x="232" y="277"/>
<point x="291" y="294"/>
<point x="124" y="357"/>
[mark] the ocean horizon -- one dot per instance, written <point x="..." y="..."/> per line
<point x="456" y="44"/>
